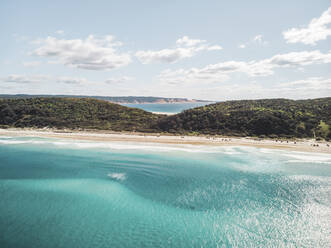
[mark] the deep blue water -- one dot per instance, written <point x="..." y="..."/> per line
<point x="167" y="107"/>
<point x="63" y="193"/>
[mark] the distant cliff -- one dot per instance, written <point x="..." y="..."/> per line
<point x="114" y="99"/>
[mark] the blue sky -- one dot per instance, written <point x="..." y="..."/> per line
<point x="217" y="50"/>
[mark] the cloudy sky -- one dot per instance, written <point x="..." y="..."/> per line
<point x="217" y="50"/>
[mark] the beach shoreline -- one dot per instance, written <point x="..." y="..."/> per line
<point x="163" y="113"/>
<point x="302" y="145"/>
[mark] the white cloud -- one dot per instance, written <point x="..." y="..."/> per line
<point x="300" y="58"/>
<point x="31" y="63"/>
<point x="309" y="84"/>
<point x="89" y="54"/>
<point x="257" y="40"/>
<point x="71" y="80"/>
<point x="50" y="80"/>
<point x="118" y="80"/>
<point x="185" y="48"/>
<point x="298" y="89"/>
<point x="186" y="41"/>
<point x="26" y="79"/>
<point x="211" y="48"/>
<point x="60" y="32"/>
<point x="44" y="79"/>
<point x="317" y="30"/>
<point x="193" y="75"/>
<point x="220" y="72"/>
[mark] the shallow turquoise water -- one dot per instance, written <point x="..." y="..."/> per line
<point x="62" y="193"/>
<point x="167" y="107"/>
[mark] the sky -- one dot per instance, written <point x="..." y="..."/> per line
<point x="212" y="50"/>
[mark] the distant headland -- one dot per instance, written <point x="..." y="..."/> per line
<point x="114" y="99"/>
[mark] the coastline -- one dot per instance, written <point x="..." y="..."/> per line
<point x="302" y="145"/>
<point x="163" y="113"/>
<point x="165" y="102"/>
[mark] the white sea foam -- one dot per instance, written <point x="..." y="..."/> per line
<point x="230" y="150"/>
<point x="6" y="137"/>
<point x="308" y="158"/>
<point x="12" y="142"/>
<point x="115" y="145"/>
<point x="269" y="151"/>
<point x="146" y="146"/>
<point x="308" y="161"/>
<point x="290" y="157"/>
<point x="117" y="176"/>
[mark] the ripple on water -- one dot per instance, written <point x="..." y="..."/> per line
<point x="89" y="196"/>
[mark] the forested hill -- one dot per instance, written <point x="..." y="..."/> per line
<point x="73" y="113"/>
<point x="269" y="117"/>
<point x="115" y="99"/>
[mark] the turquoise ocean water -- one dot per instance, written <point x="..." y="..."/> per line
<point x="173" y="108"/>
<point x="65" y="193"/>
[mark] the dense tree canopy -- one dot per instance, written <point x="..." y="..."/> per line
<point x="73" y="113"/>
<point x="268" y="117"/>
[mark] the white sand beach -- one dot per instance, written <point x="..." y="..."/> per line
<point x="163" y="113"/>
<point x="304" y="145"/>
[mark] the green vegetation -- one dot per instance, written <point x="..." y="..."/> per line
<point x="268" y="117"/>
<point x="323" y="129"/>
<point x="73" y="113"/>
<point x="263" y="118"/>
